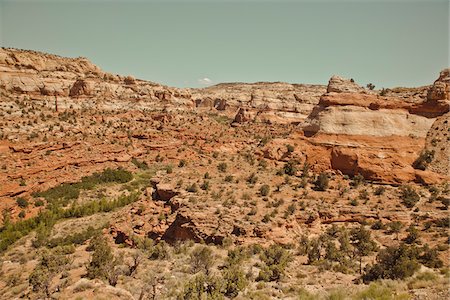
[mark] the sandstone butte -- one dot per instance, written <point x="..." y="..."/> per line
<point x="65" y="118"/>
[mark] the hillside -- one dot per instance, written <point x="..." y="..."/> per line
<point x="118" y="188"/>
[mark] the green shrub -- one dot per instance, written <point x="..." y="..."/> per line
<point x="202" y="287"/>
<point x="234" y="281"/>
<point x="193" y="188"/>
<point x="394" y="263"/>
<point x="290" y="168"/>
<point x="50" y="264"/>
<point x="69" y="191"/>
<point x="379" y="191"/>
<point x="222" y="167"/>
<point x="22" y="202"/>
<point x="409" y="196"/>
<point x="103" y="263"/>
<point x="140" y="164"/>
<point x="321" y="183"/>
<point x="290" y="148"/>
<point x="362" y="242"/>
<point x="182" y="163"/>
<point x="202" y="259"/>
<point x="424" y="159"/>
<point x="264" y="190"/>
<point x="357" y="180"/>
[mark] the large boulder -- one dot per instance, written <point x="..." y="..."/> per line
<point x="244" y="115"/>
<point x="80" y="88"/>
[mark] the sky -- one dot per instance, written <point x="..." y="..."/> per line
<point x="189" y="43"/>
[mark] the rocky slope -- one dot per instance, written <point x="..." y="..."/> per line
<point x="226" y="166"/>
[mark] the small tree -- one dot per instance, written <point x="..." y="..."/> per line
<point x="393" y="263"/>
<point x="362" y="242"/>
<point x="103" y="264"/>
<point x="276" y="260"/>
<point x="50" y="264"/>
<point x="370" y="86"/>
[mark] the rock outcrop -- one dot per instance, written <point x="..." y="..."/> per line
<point x="338" y="84"/>
<point x="437" y="147"/>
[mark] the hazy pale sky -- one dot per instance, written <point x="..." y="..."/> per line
<point x="193" y="43"/>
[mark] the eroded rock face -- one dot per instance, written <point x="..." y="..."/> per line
<point x="438" y="145"/>
<point x="40" y="75"/>
<point x="344" y="160"/>
<point x="272" y="102"/>
<point x="338" y="84"/>
<point x="440" y="90"/>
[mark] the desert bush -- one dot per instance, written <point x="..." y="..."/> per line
<point x="234" y="281"/>
<point x="290" y="168"/>
<point x="379" y="291"/>
<point x="424" y="159"/>
<point x="413" y="235"/>
<point x="205" y="185"/>
<point x="50" y="264"/>
<point x="393" y="263"/>
<point x="222" y="167"/>
<point x="252" y="179"/>
<point x="264" y="190"/>
<point x="409" y="196"/>
<point x="202" y="287"/>
<point x="182" y="163"/>
<point x="22" y="202"/>
<point x="357" y="180"/>
<point x="201" y="259"/>
<point x="275" y="260"/>
<point x="103" y="263"/>
<point x="379" y="191"/>
<point x="430" y="257"/>
<point x="237" y="255"/>
<point x="193" y="188"/>
<point x="321" y="183"/>
<point x="377" y="225"/>
<point x="159" y="251"/>
<point x="140" y="164"/>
